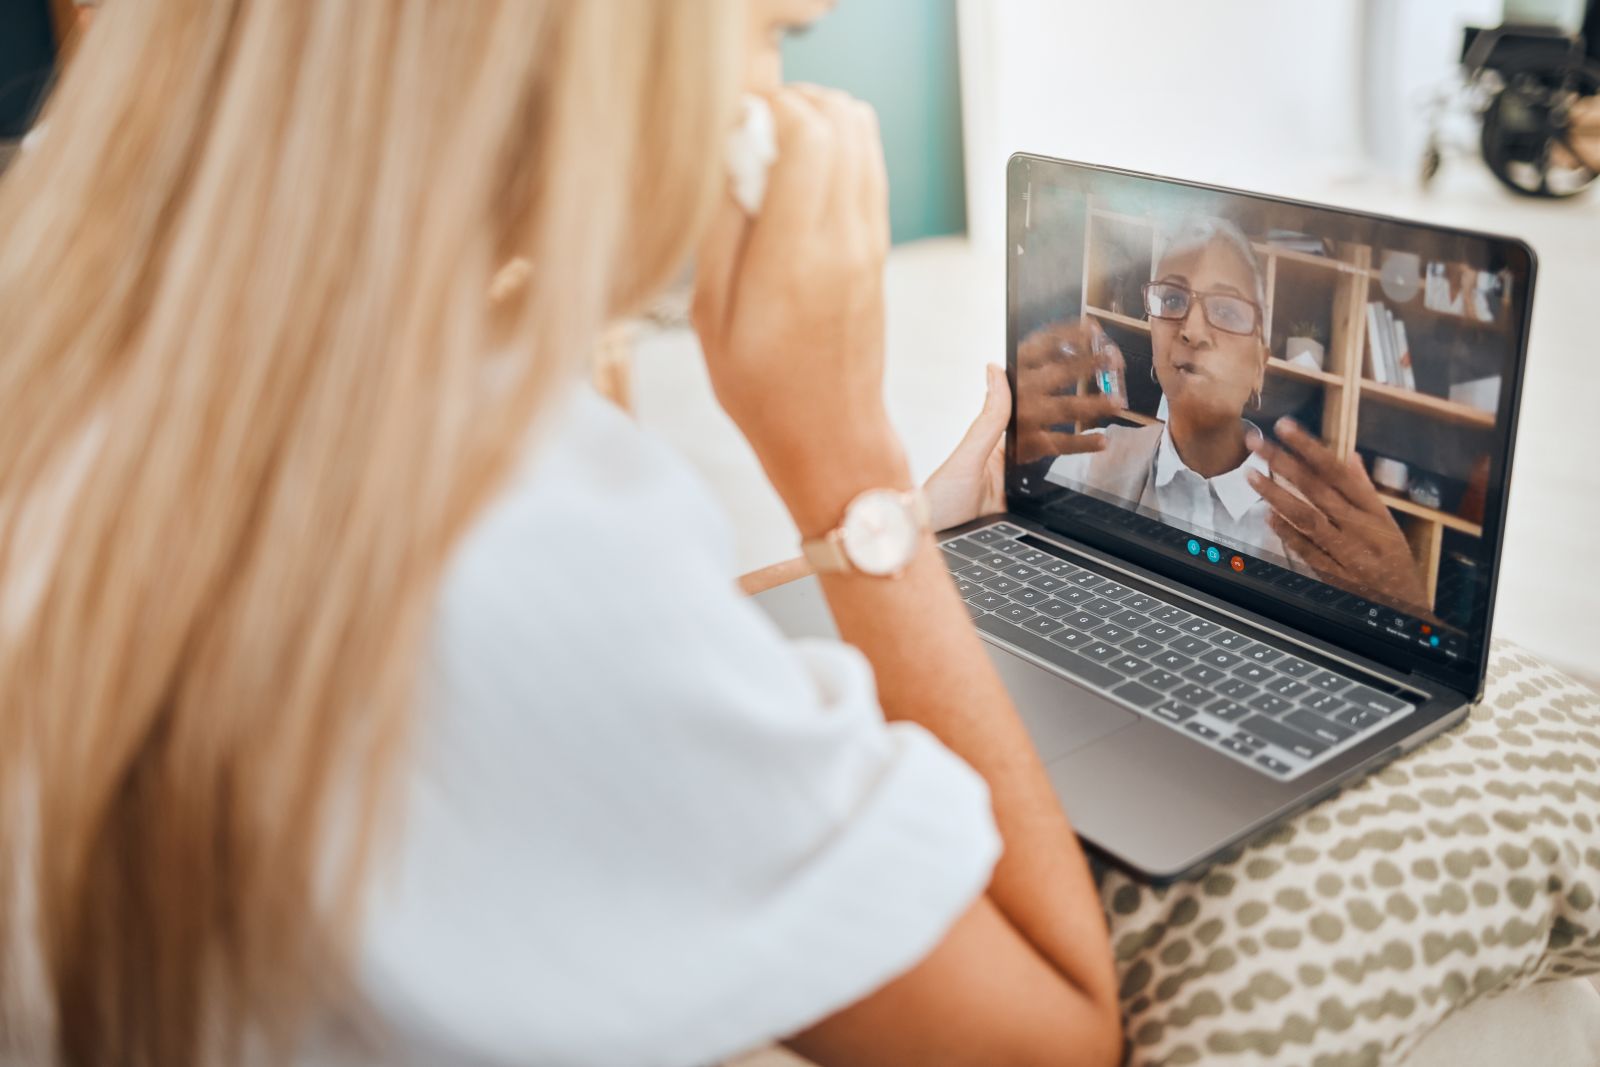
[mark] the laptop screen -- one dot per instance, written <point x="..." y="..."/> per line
<point x="1307" y="410"/>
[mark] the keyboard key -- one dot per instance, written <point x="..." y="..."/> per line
<point x="1160" y="679"/>
<point x="1230" y="640"/>
<point x="1015" y="613"/>
<point x="1253" y="673"/>
<point x="974" y="573"/>
<point x="961" y="546"/>
<point x="1034" y="558"/>
<point x="1142" y="646"/>
<point x="1071" y="638"/>
<point x="989" y="600"/>
<point x="1020" y="571"/>
<point x="1131" y="619"/>
<point x="1191" y="694"/>
<point x="1365" y="697"/>
<point x="1029" y="596"/>
<point x="1270" y="704"/>
<point x="1047" y="584"/>
<point x="1087" y="580"/>
<point x="1100" y="606"/>
<point x="1202" y="730"/>
<point x="986" y="536"/>
<point x="966" y="589"/>
<point x="1237" y="689"/>
<point x="1254" y="742"/>
<point x="1009" y="547"/>
<point x="1140" y="602"/>
<point x="1356" y="718"/>
<point x="1287" y="688"/>
<point x="1083" y="620"/>
<point x="1042" y="624"/>
<point x="1112" y="632"/>
<point x="1159" y="631"/>
<point x="1315" y="725"/>
<point x="1172" y="661"/>
<point x="1005" y="529"/>
<point x="1296" y="668"/>
<point x="1073" y="595"/>
<point x="1325" y="704"/>
<point x="973" y="610"/>
<point x="1136" y="694"/>
<point x="1237" y="743"/>
<point x="1221" y="659"/>
<point x="1113" y="591"/>
<point x="1200" y="674"/>
<point x="1190" y="646"/>
<point x="1328" y="682"/>
<point x="1198" y="627"/>
<point x="1132" y="666"/>
<point x="1069" y="662"/>
<point x="1053" y="608"/>
<point x="1169" y="615"/>
<point x="995" y="561"/>
<point x="1273" y="765"/>
<point x="1174" y="712"/>
<point x="1228" y="710"/>
<point x="1001" y="584"/>
<point x="1282" y="736"/>
<point x="1060" y="569"/>
<point x="1261" y="654"/>
<point x="953" y="562"/>
<point x="1099" y="651"/>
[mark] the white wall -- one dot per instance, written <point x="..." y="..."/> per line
<point x="1265" y="88"/>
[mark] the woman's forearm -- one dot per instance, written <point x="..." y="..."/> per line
<point x="931" y="668"/>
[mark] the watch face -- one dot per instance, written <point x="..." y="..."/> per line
<point x="879" y="533"/>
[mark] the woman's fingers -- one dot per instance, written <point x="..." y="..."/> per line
<point x="990" y="425"/>
<point x="1320" y="460"/>
<point x="1305" y="517"/>
<point x="1311" y="484"/>
<point x="800" y="181"/>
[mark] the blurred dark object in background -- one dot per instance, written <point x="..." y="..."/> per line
<point x="27" y="62"/>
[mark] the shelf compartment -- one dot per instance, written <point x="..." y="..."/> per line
<point x="1443" y="518"/>
<point x="1121" y="320"/>
<point x="1295" y="370"/>
<point x="1428" y="404"/>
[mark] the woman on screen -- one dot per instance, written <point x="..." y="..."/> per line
<point x="1206" y="466"/>
<point x="1209" y="355"/>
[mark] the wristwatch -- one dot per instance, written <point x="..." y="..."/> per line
<point x="878" y="537"/>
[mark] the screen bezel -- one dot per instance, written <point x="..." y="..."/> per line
<point x="1468" y="678"/>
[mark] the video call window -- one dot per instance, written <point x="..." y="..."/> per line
<point x="1158" y="328"/>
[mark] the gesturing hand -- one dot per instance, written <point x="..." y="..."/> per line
<point x="1341" y="527"/>
<point x="1051" y="362"/>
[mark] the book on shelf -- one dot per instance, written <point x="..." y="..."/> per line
<point x="1388" y="348"/>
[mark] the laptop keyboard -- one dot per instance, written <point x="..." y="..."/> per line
<point x="1263" y="706"/>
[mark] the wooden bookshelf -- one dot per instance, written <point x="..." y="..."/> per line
<point x="1332" y="291"/>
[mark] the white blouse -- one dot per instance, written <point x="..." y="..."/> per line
<point x="1226" y="506"/>
<point x="642" y="827"/>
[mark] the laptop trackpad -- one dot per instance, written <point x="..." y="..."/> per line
<point x="1060" y="716"/>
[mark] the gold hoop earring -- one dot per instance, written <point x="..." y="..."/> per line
<point x="1256" y="403"/>
<point x="1153" y="377"/>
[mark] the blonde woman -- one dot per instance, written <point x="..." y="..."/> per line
<point x="372" y="693"/>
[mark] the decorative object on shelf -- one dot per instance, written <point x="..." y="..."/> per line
<point x="1425" y="491"/>
<point x="1461" y="290"/>
<point x="1401" y="276"/>
<point x="1304" y="346"/>
<point x="1480" y="393"/>
<point x="1390" y="474"/>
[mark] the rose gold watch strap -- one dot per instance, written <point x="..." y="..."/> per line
<point x="826" y="554"/>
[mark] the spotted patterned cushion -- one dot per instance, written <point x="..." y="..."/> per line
<point x="1467" y="869"/>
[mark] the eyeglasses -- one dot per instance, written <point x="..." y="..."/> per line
<point x="1224" y="311"/>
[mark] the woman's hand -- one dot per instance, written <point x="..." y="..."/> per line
<point x="972" y="482"/>
<point x="1338" y="524"/>
<point x="1052" y="362"/>
<point x="789" y="309"/>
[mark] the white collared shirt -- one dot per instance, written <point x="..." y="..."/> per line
<point x="1225" y="506"/>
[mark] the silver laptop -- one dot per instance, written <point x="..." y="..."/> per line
<point x="1197" y="650"/>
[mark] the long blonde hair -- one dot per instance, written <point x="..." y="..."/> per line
<point x="252" y="390"/>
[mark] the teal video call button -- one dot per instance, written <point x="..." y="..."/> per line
<point x="1214" y="554"/>
<point x="1194" y="547"/>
